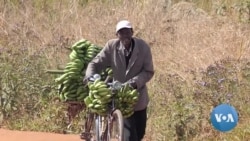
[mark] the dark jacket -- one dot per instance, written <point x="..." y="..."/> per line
<point x="140" y="67"/>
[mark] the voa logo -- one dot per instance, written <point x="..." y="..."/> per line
<point x="224" y="117"/>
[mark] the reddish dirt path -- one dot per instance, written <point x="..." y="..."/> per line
<point x="9" y="135"/>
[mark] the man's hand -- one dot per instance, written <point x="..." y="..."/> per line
<point x="91" y="78"/>
<point x="132" y="84"/>
<point x="85" y="81"/>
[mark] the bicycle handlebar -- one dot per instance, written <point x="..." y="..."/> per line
<point x="115" y="85"/>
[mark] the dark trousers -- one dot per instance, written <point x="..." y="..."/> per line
<point x="135" y="126"/>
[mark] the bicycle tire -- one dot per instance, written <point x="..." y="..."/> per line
<point x="98" y="128"/>
<point x="115" y="130"/>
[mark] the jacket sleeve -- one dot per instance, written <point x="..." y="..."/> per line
<point x="100" y="62"/>
<point x="147" y="72"/>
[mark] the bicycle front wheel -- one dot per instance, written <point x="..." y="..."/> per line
<point x="115" y="132"/>
<point x="98" y="128"/>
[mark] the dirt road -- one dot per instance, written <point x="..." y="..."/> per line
<point x="9" y="135"/>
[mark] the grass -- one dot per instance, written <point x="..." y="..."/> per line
<point x="200" y="51"/>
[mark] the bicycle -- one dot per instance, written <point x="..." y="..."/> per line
<point x="105" y="128"/>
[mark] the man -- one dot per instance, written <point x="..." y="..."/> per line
<point x="131" y="61"/>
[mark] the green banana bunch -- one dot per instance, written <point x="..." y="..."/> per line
<point x="70" y="82"/>
<point x="91" y="52"/>
<point x="99" y="97"/>
<point x="96" y="95"/>
<point x="107" y="72"/>
<point x="126" y="98"/>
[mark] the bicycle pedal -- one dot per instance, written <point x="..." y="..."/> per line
<point x="85" y="136"/>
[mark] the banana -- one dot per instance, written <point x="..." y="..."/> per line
<point x="96" y="81"/>
<point x="103" y="101"/>
<point x="81" y="97"/>
<point x="60" y="87"/>
<point x="97" y="106"/>
<point x="79" y="90"/>
<point x="79" y="43"/>
<point x="109" y="71"/>
<point x="78" y="60"/>
<point x="103" y="110"/>
<point x="87" y="100"/>
<point x="135" y="98"/>
<point x="81" y="56"/>
<point x="87" y="43"/>
<point x="95" y="101"/>
<point x="72" y="65"/>
<point x="108" y="96"/>
<point x="73" y="70"/>
<point x="79" y="51"/>
<point x="82" y="46"/>
<point x="90" y="105"/>
<point x="60" y="79"/>
<point x="94" y="110"/>
<point x="72" y="87"/>
<point x="94" y="91"/>
<point x="72" y="91"/>
<point x="100" y="84"/>
<point x="96" y="96"/>
<point x="134" y="92"/>
<point x="73" y="55"/>
<point x="70" y="96"/>
<point x="91" y="96"/>
<point x="91" y="52"/>
<point x="65" y="88"/>
<point x="61" y="96"/>
<point x="91" y="86"/>
<point x="104" y="93"/>
<point x="102" y="89"/>
<point x="68" y="82"/>
<point x="92" y="49"/>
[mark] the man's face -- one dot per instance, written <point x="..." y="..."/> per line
<point x="125" y="36"/>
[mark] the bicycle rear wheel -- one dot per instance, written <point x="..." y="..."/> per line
<point x="115" y="130"/>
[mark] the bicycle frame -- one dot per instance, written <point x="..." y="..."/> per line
<point x="99" y="123"/>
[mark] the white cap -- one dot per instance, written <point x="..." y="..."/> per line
<point x="123" y="24"/>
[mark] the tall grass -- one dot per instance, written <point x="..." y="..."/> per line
<point x="200" y="51"/>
